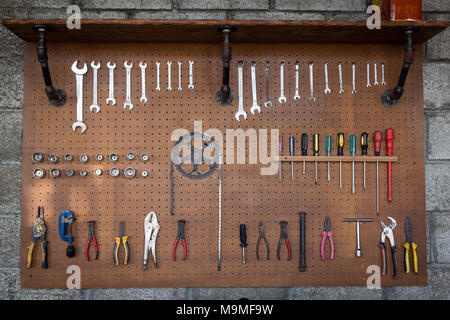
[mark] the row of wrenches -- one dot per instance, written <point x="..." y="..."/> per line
<point x="79" y="73"/>
<point x="282" y="99"/>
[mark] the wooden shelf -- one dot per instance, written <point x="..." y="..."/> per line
<point x="336" y="159"/>
<point x="247" y="31"/>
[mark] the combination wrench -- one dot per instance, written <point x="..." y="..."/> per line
<point x="382" y="74"/>
<point x="79" y="76"/>
<point x="354" y="78"/>
<point x="282" y="97"/>
<point x="375" y="74"/>
<point x="127" y="102"/>
<point x="191" y="75"/>
<point x="297" y="94"/>
<point x="94" y="104"/>
<point x="240" y="112"/>
<point x="110" y="98"/>
<point x="368" y="85"/>
<point x="311" y="81"/>
<point x="143" y="66"/>
<point x="179" y="76"/>
<point x="255" y="106"/>
<point x="341" y="85"/>
<point x="158" y="88"/>
<point x="327" y="88"/>
<point x="169" y="76"/>
<point x="267" y="103"/>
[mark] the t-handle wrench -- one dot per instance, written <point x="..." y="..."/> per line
<point x="267" y="103"/>
<point x="255" y="106"/>
<point x="390" y="153"/>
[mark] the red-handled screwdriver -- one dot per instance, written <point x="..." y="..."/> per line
<point x="390" y="153"/>
<point x="377" y="136"/>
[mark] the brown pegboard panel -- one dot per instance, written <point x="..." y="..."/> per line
<point x="247" y="196"/>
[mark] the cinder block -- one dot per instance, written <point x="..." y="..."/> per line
<point x="179" y="15"/>
<point x="11" y="188"/>
<point x="436" y="77"/>
<point x="40" y="13"/>
<point x="437" y="186"/>
<point x="125" y="4"/>
<point x="238" y="293"/>
<point x="274" y="15"/>
<point x="439" y="130"/>
<point x="334" y="293"/>
<point x="440" y="222"/>
<point x="140" y="294"/>
<point x="223" y="5"/>
<point x="438" y="47"/>
<point x="11" y="45"/>
<point x="435" y="5"/>
<point x="11" y="126"/>
<point x="10" y="240"/>
<point x="12" y="13"/>
<point x="321" y="5"/>
<point x="11" y="83"/>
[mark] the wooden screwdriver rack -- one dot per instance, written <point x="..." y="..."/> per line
<point x="335" y="159"/>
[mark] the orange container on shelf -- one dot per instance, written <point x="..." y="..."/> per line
<point x="399" y="10"/>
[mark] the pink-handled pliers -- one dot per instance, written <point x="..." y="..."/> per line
<point x="327" y="233"/>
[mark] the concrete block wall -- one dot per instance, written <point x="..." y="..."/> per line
<point x="437" y="130"/>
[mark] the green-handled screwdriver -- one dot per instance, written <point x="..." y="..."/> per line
<point x="364" y="146"/>
<point x="328" y="146"/>
<point x="316" y="153"/>
<point x="291" y="153"/>
<point x="352" y="154"/>
<point x="340" y="152"/>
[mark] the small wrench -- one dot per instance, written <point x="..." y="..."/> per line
<point x="240" y="111"/>
<point x="267" y="103"/>
<point x="127" y="102"/>
<point x="169" y="77"/>
<point x="354" y="78"/>
<point x="158" y="88"/>
<point x="341" y="85"/>
<point x="311" y="81"/>
<point x="143" y="66"/>
<point x="282" y="97"/>
<point x="255" y="106"/>
<point x="111" y="99"/>
<point x="382" y="74"/>
<point x="94" y="104"/>
<point x="179" y="76"/>
<point x="375" y="74"/>
<point x="191" y="75"/>
<point x="327" y="88"/>
<point x="368" y="74"/>
<point x="297" y="94"/>
<point x="79" y="76"/>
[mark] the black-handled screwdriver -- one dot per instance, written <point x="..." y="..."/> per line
<point x="291" y="153"/>
<point x="364" y="146"/>
<point x="304" y="150"/>
<point x="340" y="152"/>
<point x="316" y="153"/>
<point x="243" y="237"/>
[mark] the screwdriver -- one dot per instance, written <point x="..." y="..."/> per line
<point x="377" y="136"/>
<point x="364" y="146"/>
<point x="328" y="146"/>
<point x="304" y="150"/>
<point x="291" y="153"/>
<point x="316" y="153"/>
<point x="340" y="152"/>
<point x="353" y="153"/>
<point x="243" y="237"/>
<point x="280" y="152"/>
<point x="389" y="153"/>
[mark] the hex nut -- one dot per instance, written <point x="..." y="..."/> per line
<point x="131" y="156"/>
<point x="38" y="173"/>
<point x="55" y="173"/>
<point x="129" y="172"/>
<point x="144" y="173"/>
<point x="68" y="157"/>
<point x="144" y="157"/>
<point x="37" y="157"/>
<point x="83" y="173"/>
<point x="84" y="158"/>
<point x="113" y="157"/>
<point x="99" y="157"/>
<point x="114" y="172"/>
<point x="52" y="159"/>
<point x="98" y="172"/>
<point x="69" y="172"/>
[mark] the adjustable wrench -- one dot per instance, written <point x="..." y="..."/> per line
<point x="267" y="103"/>
<point x="94" y="104"/>
<point x="127" y="102"/>
<point x="341" y="85"/>
<point x="240" y="111"/>
<point x="158" y="88"/>
<point x="368" y="85"/>
<point x="191" y="75"/>
<point x="79" y="76"/>
<point x="282" y="97"/>
<point x="297" y="94"/>
<point x="111" y="99"/>
<point x="375" y="74"/>
<point x="354" y="78"/>
<point x="169" y="77"/>
<point x="382" y="74"/>
<point x="311" y="81"/>
<point x="179" y="76"/>
<point x="143" y="66"/>
<point x="327" y="88"/>
<point x="255" y="106"/>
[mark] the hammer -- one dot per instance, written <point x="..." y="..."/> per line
<point x="358" y="243"/>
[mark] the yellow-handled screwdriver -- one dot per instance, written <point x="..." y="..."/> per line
<point x="340" y="152"/>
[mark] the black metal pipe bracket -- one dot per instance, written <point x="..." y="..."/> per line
<point x="391" y="97"/>
<point x="224" y="96"/>
<point x="56" y="97"/>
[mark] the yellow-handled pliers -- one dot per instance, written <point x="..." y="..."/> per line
<point x="39" y="231"/>
<point x="410" y="244"/>
<point x="124" y="239"/>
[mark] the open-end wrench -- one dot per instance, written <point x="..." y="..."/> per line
<point x="94" y="104"/>
<point x="79" y="76"/>
<point x="297" y="94"/>
<point x="169" y="76"/>
<point x="354" y="78"/>
<point x="282" y="97"/>
<point x="179" y="76"/>
<point x="327" y="88"/>
<point x="255" y="106"/>
<point x="368" y="85"/>
<point x="311" y="81"/>
<point x="143" y="66"/>
<point x="341" y="85"/>
<point x="111" y="99"/>
<point x="375" y="74"/>
<point x="240" y="112"/>
<point x="158" y="88"/>
<point x="191" y="75"/>
<point x="267" y="103"/>
<point x="127" y="102"/>
<point x="382" y="74"/>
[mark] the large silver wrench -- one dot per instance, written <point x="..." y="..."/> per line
<point x="354" y="78"/>
<point x="179" y="76"/>
<point x="143" y="66"/>
<point x="311" y="81"/>
<point x="255" y="106"/>
<point x="94" y="104"/>
<point x="79" y="76"/>
<point x="111" y="99"/>
<point x="240" y="111"/>
<point x="327" y="88"/>
<point x="297" y="68"/>
<point x="282" y="97"/>
<point x="169" y="77"/>
<point x="267" y="103"/>
<point x="127" y="102"/>
<point x="158" y="88"/>
<point x="368" y="85"/>
<point x="383" y="82"/>
<point x="341" y="85"/>
<point x="375" y="74"/>
<point x="191" y="75"/>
